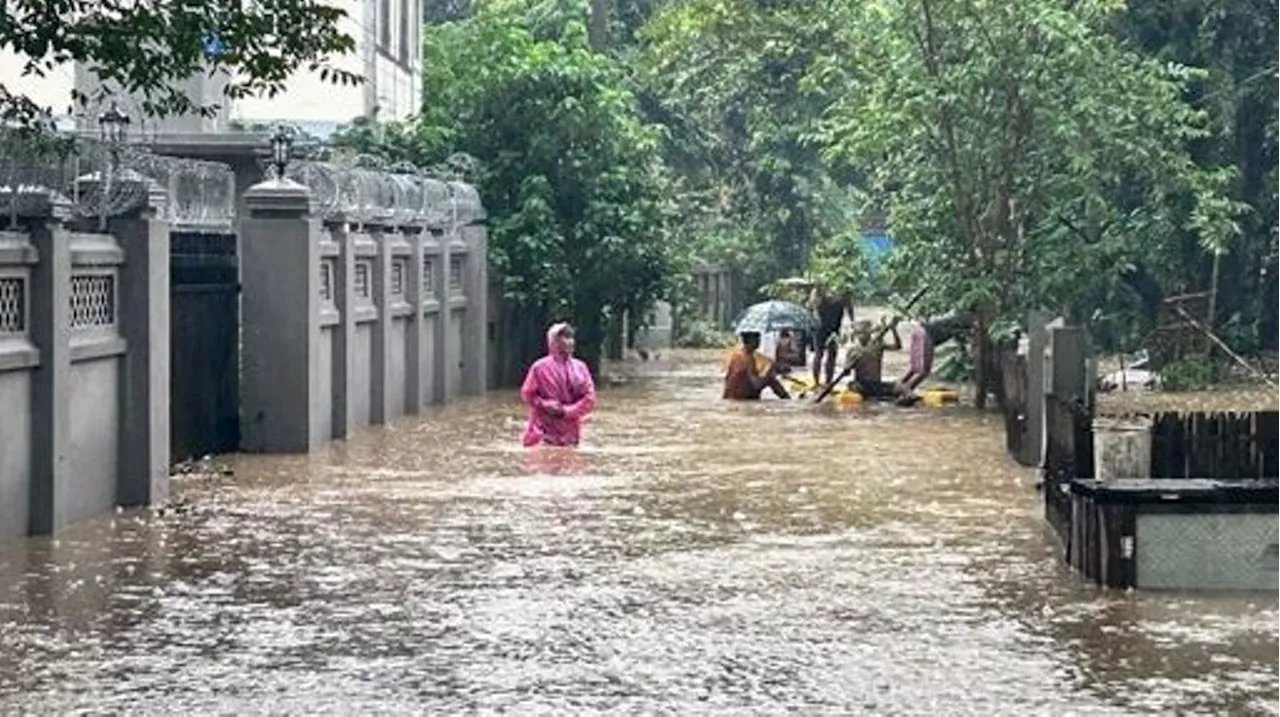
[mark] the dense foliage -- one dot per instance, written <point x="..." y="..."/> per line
<point x="570" y="173"/>
<point x="1028" y="157"/>
<point x="726" y="78"/>
<point x="1234" y="44"/>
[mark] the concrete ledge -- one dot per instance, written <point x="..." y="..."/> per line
<point x="213" y="144"/>
<point x="457" y="302"/>
<point x="364" y="314"/>
<point x="96" y="255"/>
<point x="95" y="348"/>
<point x="430" y="307"/>
<point x="400" y="309"/>
<point x="17" y="251"/>
<point x="330" y="317"/>
<point x="1203" y="494"/>
<point x="18" y="354"/>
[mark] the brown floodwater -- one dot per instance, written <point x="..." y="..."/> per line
<point x="694" y="557"/>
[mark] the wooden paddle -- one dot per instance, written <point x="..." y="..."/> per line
<point x="885" y="328"/>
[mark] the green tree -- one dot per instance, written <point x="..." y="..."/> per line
<point x="1027" y="156"/>
<point x="1235" y="45"/>
<point x="147" y="47"/>
<point x="726" y="79"/>
<point x="577" y="195"/>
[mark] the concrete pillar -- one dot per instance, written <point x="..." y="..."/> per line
<point x="1037" y="338"/>
<point x="430" y="304"/>
<point x="1067" y="352"/>
<point x="475" y="335"/>
<point x="441" y="338"/>
<point x="380" y="407"/>
<point x="415" y="349"/>
<point x="144" y="311"/>
<point x="280" y="306"/>
<point x="50" y="292"/>
<point x="345" y="332"/>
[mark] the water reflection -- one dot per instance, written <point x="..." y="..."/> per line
<point x="694" y="557"/>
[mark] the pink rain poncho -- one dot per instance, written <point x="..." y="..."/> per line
<point x="559" y="392"/>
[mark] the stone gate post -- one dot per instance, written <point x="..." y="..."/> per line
<point x="50" y="292"/>
<point x="144" y="312"/>
<point x="280" y="392"/>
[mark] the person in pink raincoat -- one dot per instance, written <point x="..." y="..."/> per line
<point x="559" y="392"/>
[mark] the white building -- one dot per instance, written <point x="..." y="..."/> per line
<point x="388" y="55"/>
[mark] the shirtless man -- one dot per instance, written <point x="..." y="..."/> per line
<point x="743" y="381"/>
<point x="867" y="354"/>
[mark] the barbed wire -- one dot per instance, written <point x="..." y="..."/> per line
<point x="365" y="189"/>
<point x="200" y="195"/>
<point x="101" y="180"/>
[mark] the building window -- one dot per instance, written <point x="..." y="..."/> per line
<point x="384" y="25"/>
<point x="415" y="37"/>
<point x="406" y="30"/>
<point x="428" y="278"/>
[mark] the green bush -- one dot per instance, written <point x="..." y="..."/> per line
<point x="1243" y="336"/>
<point x="1191" y="373"/>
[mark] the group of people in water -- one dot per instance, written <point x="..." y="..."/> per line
<point x="560" y="392"/>
<point x="748" y="374"/>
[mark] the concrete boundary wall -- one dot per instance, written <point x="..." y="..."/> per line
<point x="349" y="324"/>
<point x="84" y="365"/>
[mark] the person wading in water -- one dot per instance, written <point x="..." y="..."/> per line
<point x="743" y="379"/>
<point x="559" y="392"/>
<point x="867" y="353"/>
<point x="924" y="338"/>
<point x="831" y="311"/>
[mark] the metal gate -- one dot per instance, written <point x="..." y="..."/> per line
<point x="204" y="353"/>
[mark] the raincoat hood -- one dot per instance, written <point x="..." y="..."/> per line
<point x="553" y="333"/>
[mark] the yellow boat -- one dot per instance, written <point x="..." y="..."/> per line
<point x="939" y="397"/>
<point x="803" y="386"/>
<point x="847" y="399"/>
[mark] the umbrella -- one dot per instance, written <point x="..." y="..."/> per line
<point x="770" y="316"/>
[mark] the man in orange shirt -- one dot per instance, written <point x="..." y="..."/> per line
<point x="743" y="381"/>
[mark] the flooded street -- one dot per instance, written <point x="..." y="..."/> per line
<point x="695" y="557"/>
